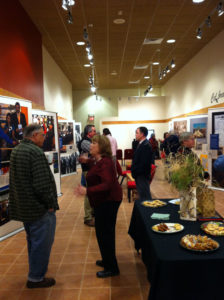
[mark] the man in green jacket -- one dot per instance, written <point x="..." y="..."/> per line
<point x="33" y="200"/>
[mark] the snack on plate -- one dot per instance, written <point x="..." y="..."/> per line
<point x="161" y="227"/>
<point x="213" y="228"/>
<point x="168" y="227"/>
<point x="198" y="243"/>
<point x="154" y="203"/>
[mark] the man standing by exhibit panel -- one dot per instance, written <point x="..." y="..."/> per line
<point x="33" y="200"/>
<point x="89" y="132"/>
<point x="141" y="164"/>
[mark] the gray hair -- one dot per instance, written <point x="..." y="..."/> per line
<point x="185" y="136"/>
<point x="30" y="129"/>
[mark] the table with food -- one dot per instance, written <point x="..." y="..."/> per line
<point x="184" y="259"/>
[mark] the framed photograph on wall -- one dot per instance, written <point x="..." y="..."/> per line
<point x="199" y="128"/>
<point x="218" y="126"/>
<point x="180" y="126"/>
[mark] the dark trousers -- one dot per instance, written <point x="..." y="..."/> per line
<point x="105" y="221"/>
<point x="142" y="184"/>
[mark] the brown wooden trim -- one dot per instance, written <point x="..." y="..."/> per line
<point x="201" y="111"/>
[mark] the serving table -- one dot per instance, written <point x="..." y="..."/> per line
<point x="176" y="273"/>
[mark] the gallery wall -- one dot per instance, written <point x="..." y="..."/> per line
<point x="57" y="88"/>
<point x="20" y="54"/>
<point x="199" y="82"/>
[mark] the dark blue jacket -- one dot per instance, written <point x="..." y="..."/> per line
<point x="141" y="164"/>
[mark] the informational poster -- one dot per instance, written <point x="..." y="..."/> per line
<point x="180" y="126"/>
<point x="199" y="128"/>
<point x="47" y="123"/>
<point x="218" y="126"/>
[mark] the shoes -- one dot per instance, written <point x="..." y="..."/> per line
<point x="105" y="273"/>
<point x="46" y="282"/>
<point x="99" y="263"/>
<point x="90" y="223"/>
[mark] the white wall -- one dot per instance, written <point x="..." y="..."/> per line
<point x="57" y="88"/>
<point x="145" y="108"/>
<point x="192" y="87"/>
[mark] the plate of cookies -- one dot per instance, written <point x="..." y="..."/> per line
<point x="199" y="243"/>
<point x="167" y="228"/>
<point x="213" y="228"/>
<point x="153" y="203"/>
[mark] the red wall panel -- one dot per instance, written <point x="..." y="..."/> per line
<point x="21" y="67"/>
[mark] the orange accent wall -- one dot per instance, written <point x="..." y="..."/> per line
<point x="21" y="68"/>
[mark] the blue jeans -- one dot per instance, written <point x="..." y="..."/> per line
<point x="40" y="237"/>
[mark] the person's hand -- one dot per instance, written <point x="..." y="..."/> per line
<point x="83" y="158"/>
<point x="80" y="190"/>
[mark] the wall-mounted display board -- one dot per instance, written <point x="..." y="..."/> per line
<point x="68" y="148"/>
<point x="215" y="138"/>
<point x="48" y="121"/>
<point x="11" y="132"/>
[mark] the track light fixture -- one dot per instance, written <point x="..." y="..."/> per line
<point x="220" y="9"/>
<point x="173" y="65"/>
<point x="150" y="88"/>
<point x="90" y="56"/>
<point x="160" y="76"/>
<point x="199" y="34"/>
<point x="67" y="3"/>
<point x="93" y="88"/>
<point x="88" y="48"/>
<point x="146" y="92"/>
<point x="85" y="34"/>
<point x="208" y="21"/>
<point x="167" y="69"/>
<point x="70" y="18"/>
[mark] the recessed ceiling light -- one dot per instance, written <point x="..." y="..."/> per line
<point x="146" y="77"/>
<point x="155" y="63"/>
<point x="80" y="43"/>
<point x="87" y="65"/>
<point x="114" y="73"/>
<point x="133" y="82"/>
<point x="171" y="41"/>
<point x="119" y="21"/>
<point x="140" y="67"/>
<point x="198" y="1"/>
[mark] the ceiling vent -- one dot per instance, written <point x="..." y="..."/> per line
<point x="151" y="41"/>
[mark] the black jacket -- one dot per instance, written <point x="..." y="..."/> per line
<point x="141" y="164"/>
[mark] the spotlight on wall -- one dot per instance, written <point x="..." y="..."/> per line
<point x="208" y="21"/>
<point x="173" y="65"/>
<point x="199" y="34"/>
<point x="220" y="9"/>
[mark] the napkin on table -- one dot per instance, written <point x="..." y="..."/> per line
<point x="160" y="216"/>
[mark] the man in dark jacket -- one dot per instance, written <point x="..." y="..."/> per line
<point x="141" y="164"/>
<point x="18" y="120"/>
<point x="33" y="201"/>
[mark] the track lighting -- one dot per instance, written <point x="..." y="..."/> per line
<point x="88" y="48"/>
<point x="90" y="56"/>
<point x="150" y="88"/>
<point x="67" y="3"/>
<point x="70" y="18"/>
<point x="91" y="62"/>
<point x="164" y="73"/>
<point x="167" y="69"/>
<point x="146" y="92"/>
<point x="85" y="34"/>
<point x="173" y="65"/>
<point x="160" y="76"/>
<point x="199" y="34"/>
<point x="208" y="21"/>
<point x="220" y="9"/>
<point x="93" y="88"/>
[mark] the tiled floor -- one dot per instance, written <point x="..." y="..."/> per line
<point x="75" y="251"/>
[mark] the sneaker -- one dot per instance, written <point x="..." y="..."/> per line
<point x="90" y="223"/>
<point x="46" y="282"/>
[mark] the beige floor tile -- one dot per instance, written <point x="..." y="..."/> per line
<point x="132" y="293"/>
<point x="71" y="268"/>
<point x="90" y="280"/>
<point x="68" y="281"/>
<point x="72" y="294"/>
<point x="34" y="294"/>
<point x="95" y="294"/>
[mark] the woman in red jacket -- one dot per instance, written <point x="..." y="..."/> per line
<point x="105" y="195"/>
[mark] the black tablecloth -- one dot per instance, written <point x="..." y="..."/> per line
<point x="174" y="272"/>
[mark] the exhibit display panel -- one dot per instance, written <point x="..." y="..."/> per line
<point x="215" y="139"/>
<point x="67" y="144"/>
<point x="11" y="132"/>
<point x="48" y="121"/>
